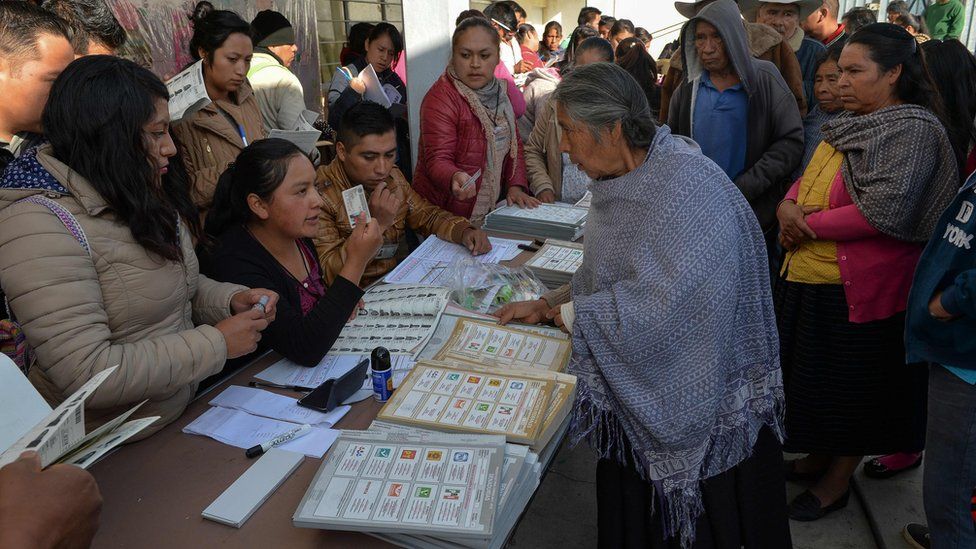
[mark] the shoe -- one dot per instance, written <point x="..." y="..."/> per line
<point x="807" y="507"/>
<point x="888" y="466"/>
<point x="792" y="475"/>
<point x="917" y="535"/>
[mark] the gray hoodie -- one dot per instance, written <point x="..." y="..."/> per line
<point x="775" y="130"/>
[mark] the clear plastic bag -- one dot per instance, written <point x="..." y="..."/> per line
<point x="485" y="287"/>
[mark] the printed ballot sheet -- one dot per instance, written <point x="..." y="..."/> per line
<point x="429" y="263"/>
<point x="449" y="397"/>
<point x="303" y="139"/>
<point x="413" y="483"/>
<point x="400" y="317"/>
<point x="187" y="92"/>
<point x="480" y="342"/>
<point x="562" y="257"/>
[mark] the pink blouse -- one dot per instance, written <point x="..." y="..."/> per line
<point x="312" y="288"/>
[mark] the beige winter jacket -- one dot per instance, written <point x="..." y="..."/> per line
<point x="543" y="160"/>
<point x="121" y="306"/>
<point x="208" y="142"/>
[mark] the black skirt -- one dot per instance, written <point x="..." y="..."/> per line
<point x="744" y="506"/>
<point x="848" y="389"/>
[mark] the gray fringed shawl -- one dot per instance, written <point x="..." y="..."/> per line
<point x="899" y="168"/>
<point x="674" y="342"/>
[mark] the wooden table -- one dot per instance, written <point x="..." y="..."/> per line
<point x="155" y="489"/>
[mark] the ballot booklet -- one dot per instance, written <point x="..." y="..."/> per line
<point x="59" y="437"/>
<point x="407" y="482"/>
<point x="480" y="342"/>
<point x="187" y="92"/>
<point x="557" y="220"/>
<point x="556" y="262"/>
<point x="522" y="405"/>
<point x="400" y="317"/>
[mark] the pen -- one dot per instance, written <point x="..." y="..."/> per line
<point x="255" y="451"/>
<point x="298" y="388"/>
<point x="262" y="303"/>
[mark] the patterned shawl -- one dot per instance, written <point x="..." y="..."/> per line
<point x="674" y="342"/>
<point x="491" y="177"/>
<point x="899" y="168"/>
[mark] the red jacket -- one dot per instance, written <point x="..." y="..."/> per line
<point x="452" y="140"/>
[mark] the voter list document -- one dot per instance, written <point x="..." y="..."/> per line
<point x="426" y="482"/>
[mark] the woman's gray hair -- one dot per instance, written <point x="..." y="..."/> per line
<point x="601" y="94"/>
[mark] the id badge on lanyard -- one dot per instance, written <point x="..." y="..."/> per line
<point x="387" y="250"/>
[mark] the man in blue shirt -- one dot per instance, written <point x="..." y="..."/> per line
<point x="785" y="17"/>
<point x="739" y="110"/>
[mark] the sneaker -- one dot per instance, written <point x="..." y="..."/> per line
<point x="917" y="535"/>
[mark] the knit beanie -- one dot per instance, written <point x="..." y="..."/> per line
<point x="272" y="29"/>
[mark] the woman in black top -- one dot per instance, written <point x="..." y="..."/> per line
<point x="266" y="209"/>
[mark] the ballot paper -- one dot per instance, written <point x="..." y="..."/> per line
<point x="244" y="430"/>
<point x="400" y="317"/>
<point x="355" y="201"/>
<point x="263" y="403"/>
<point x="558" y="220"/>
<point x="87" y="456"/>
<point x="423" y="483"/>
<point x="429" y="263"/>
<point x="453" y="314"/>
<point x="375" y="91"/>
<point x="556" y="262"/>
<point x="23" y="406"/>
<point x="62" y="431"/>
<point x="286" y="372"/>
<point x="303" y="139"/>
<point x="307" y="120"/>
<point x="456" y="398"/>
<point x="187" y="92"/>
<point x="480" y="342"/>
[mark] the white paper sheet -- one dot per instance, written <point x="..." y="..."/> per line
<point x="23" y="406"/>
<point x="263" y="403"/>
<point x="187" y="92"/>
<point x="428" y="263"/>
<point x="374" y="90"/>
<point x="243" y="430"/>
<point x="303" y="139"/>
<point x="286" y="372"/>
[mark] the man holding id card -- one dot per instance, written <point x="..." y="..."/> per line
<point x="364" y="179"/>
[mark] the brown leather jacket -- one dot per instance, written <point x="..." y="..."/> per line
<point x="208" y="142"/>
<point x="415" y="212"/>
<point x="764" y="43"/>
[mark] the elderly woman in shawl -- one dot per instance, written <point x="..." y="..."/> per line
<point x="854" y="226"/>
<point x="674" y="339"/>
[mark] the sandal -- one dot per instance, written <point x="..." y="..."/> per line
<point x="892" y="464"/>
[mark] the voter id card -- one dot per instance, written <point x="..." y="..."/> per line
<point x="355" y="201"/>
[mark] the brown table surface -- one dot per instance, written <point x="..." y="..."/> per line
<point x="154" y="490"/>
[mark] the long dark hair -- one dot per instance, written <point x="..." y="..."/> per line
<point x="579" y="34"/>
<point x="211" y="27"/>
<point x="259" y="169"/>
<point x="889" y="46"/>
<point x="953" y="68"/>
<point x="94" y="118"/>
<point x="542" y="40"/>
<point x="395" y="37"/>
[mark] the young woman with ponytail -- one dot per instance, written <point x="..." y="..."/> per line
<point x="266" y="209"/>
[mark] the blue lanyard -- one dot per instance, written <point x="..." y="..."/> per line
<point x="240" y="130"/>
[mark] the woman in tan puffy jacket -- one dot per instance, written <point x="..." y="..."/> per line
<point x="211" y="138"/>
<point x="115" y="282"/>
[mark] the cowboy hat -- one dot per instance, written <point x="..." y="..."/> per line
<point x="689" y="10"/>
<point x="750" y="8"/>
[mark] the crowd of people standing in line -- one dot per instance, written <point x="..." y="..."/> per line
<point x="791" y="248"/>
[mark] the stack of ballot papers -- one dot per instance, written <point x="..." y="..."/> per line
<point x="246" y="416"/>
<point x="413" y="483"/>
<point x="521" y="472"/>
<point x="525" y="406"/>
<point x="556" y="262"/>
<point x="481" y="342"/>
<point x="58" y="436"/>
<point x="400" y="317"/>
<point x="429" y="263"/>
<point x="560" y="221"/>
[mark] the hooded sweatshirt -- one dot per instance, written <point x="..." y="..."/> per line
<point x="774" y="129"/>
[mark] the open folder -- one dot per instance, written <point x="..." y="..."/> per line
<point x="58" y="436"/>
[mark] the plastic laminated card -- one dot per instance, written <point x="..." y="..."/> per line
<point x="420" y="483"/>
<point x="479" y="342"/>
